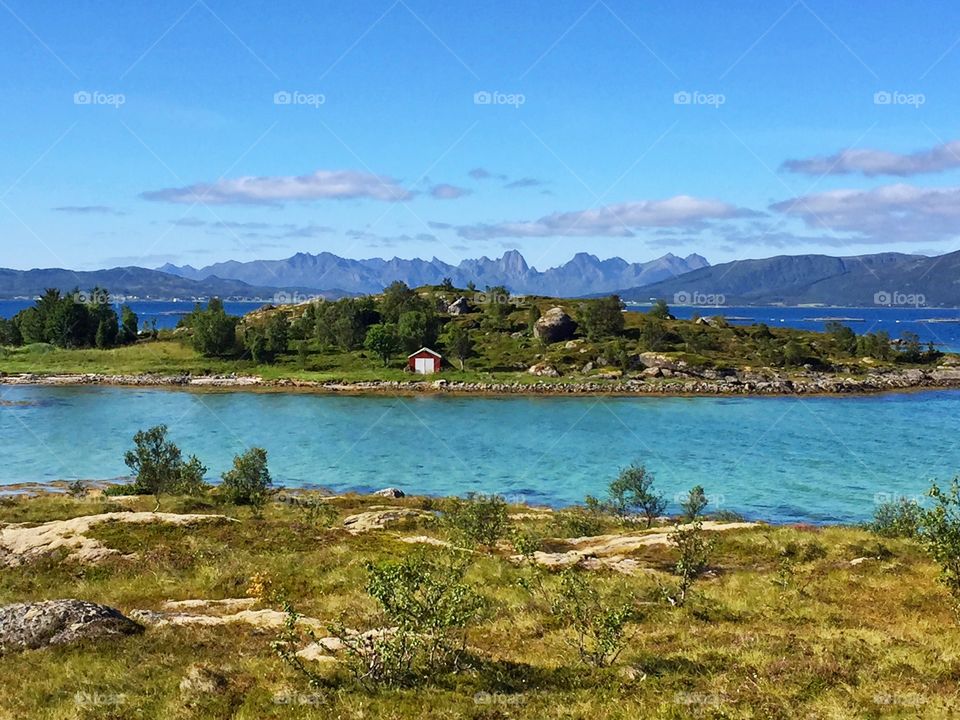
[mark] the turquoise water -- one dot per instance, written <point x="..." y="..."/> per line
<point x="780" y="459"/>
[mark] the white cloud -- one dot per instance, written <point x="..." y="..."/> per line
<point x="620" y="220"/>
<point x="871" y="163"/>
<point x="274" y="190"/>
<point x="892" y="213"/>
<point x="443" y="191"/>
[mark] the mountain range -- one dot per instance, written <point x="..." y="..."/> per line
<point x="894" y="279"/>
<point x="583" y="275"/>
<point x="133" y="281"/>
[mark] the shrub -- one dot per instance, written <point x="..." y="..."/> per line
<point x="632" y="493"/>
<point x="694" y="503"/>
<point x="478" y="519"/>
<point x="694" y="549"/>
<point x="429" y="605"/>
<point x="159" y="467"/>
<point x="897" y="518"/>
<point x="77" y="489"/>
<point x="940" y="535"/>
<point x="577" y="522"/>
<point x="598" y="626"/>
<point x="317" y="513"/>
<point x="247" y="482"/>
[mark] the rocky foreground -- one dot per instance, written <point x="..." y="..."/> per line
<point x="660" y="377"/>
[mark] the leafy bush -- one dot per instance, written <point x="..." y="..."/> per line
<point x="695" y="549"/>
<point x="599" y="626"/>
<point x="632" y="494"/>
<point x="940" y="535"/>
<point x="897" y="518"/>
<point x="477" y="519"/>
<point x="430" y="606"/>
<point x="246" y="483"/>
<point x="577" y="522"/>
<point x="694" y="503"/>
<point x="159" y="467"/>
<point x="317" y="513"/>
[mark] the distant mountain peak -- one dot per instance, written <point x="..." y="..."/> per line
<point x="584" y="274"/>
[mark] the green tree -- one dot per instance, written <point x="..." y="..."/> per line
<point x="383" y="341"/>
<point x="266" y="339"/>
<point x="247" y="482"/>
<point x="694" y="503"/>
<point x="397" y="299"/>
<point x="940" y="535"/>
<point x="602" y="318"/>
<point x="660" y="310"/>
<point x="632" y="493"/>
<point x="415" y="330"/>
<point x="459" y="343"/>
<point x="842" y="336"/>
<point x="129" y="325"/>
<point x="155" y="461"/>
<point x="214" y="332"/>
<point x="10" y="333"/>
<point x="497" y="308"/>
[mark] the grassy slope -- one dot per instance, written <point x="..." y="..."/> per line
<point x="835" y="640"/>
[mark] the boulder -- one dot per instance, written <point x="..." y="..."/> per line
<point x="382" y="519"/>
<point x="554" y="326"/>
<point x="543" y="369"/>
<point x="59" y="622"/>
<point x="391" y="492"/>
<point x="460" y="306"/>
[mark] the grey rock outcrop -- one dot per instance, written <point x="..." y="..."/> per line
<point x="26" y="626"/>
<point x="460" y="306"/>
<point x="391" y="492"/>
<point x="554" y="326"/>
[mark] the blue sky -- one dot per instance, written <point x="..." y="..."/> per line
<point x="199" y="131"/>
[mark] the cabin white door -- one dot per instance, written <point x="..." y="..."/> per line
<point x="423" y="366"/>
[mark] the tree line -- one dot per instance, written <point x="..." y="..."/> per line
<point x="71" y="320"/>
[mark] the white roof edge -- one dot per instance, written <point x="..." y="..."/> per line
<point x="425" y="349"/>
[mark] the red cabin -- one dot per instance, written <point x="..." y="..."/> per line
<point x="425" y="361"/>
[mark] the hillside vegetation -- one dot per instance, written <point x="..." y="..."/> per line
<point x="483" y="335"/>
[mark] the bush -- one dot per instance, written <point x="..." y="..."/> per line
<point x="940" y="535"/>
<point x="430" y="606"/>
<point x="632" y="493"/>
<point x="247" y="482"/>
<point x="577" y="522"/>
<point x="695" y="549"/>
<point x="897" y="518"/>
<point x="159" y="467"/>
<point x="598" y="625"/>
<point x="478" y="519"/>
<point x="695" y="503"/>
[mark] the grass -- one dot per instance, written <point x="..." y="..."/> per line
<point x="784" y="626"/>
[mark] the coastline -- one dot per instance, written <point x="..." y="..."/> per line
<point x="737" y="384"/>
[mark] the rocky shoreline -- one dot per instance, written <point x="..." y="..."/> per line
<point x="665" y="381"/>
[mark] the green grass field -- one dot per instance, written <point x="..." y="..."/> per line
<point x="781" y="626"/>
